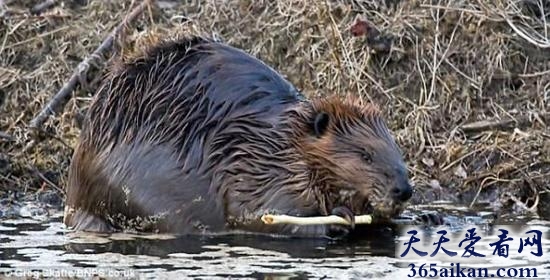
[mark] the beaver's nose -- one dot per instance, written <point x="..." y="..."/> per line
<point x="402" y="191"/>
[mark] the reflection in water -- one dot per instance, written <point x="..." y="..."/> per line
<point x="377" y="243"/>
<point x="47" y="246"/>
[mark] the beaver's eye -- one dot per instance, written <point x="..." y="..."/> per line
<point x="367" y="157"/>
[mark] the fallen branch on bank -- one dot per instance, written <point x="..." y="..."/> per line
<point x="58" y="101"/>
<point x="504" y="124"/>
<point x="320" y="220"/>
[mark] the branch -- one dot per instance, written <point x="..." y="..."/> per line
<point x="320" y="220"/>
<point x="61" y="98"/>
<point x="502" y="124"/>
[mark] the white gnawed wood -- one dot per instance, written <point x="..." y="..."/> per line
<point x="320" y="220"/>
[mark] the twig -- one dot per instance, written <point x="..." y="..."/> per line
<point x="536" y="74"/>
<point x="59" y="100"/>
<point x="502" y="124"/>
<point x="320" y="220"/>
<point x="532" y="36"/>
<point x="41" y="7"/>
<point x="448" y="166"/>
<point x="541" y="43"/>
<point x="522" y="204"/>
<point x="50" y="183"/>
<point x="36" y="37"/>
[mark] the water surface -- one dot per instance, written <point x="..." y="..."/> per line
<point x="43" y="247"/>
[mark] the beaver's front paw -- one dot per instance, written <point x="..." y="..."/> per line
<point x="346" y="214"/>
<point x="430" y="219"/>
<point x="341" y="231"/>
<point x="337" y="231"/>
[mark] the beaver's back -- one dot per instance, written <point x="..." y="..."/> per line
<point x="161" y="122"/>
<point x="184" y="87"/>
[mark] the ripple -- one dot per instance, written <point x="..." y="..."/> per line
<point x="48" y="247"/>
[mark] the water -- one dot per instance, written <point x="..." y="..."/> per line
<point x="43" y="247"/>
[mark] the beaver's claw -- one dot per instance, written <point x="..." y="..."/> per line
<point x="337" y="232"/>
<point x="430" y="219"/>
<point x="346" y="213"/>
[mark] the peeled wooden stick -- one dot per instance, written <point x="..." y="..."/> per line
<point x="319" y="220"/>
<point x="63" y="95"/>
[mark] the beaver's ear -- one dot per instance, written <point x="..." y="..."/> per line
<point x="320" y="123"/>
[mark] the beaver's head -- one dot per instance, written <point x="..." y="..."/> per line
<point x="354" y="158"/>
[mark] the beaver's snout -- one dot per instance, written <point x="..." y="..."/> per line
<point x="402" y="189"/>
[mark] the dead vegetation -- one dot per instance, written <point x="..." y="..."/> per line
<point x="465" y="85"/>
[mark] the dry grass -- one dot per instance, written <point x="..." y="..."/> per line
<point x="432" y="66"/>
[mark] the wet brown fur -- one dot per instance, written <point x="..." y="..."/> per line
<point x="197" y="136"/>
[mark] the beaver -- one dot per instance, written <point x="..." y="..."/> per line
<point x="195" y="136"/>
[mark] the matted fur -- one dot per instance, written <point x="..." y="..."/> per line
<point x="197" y="136"/>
